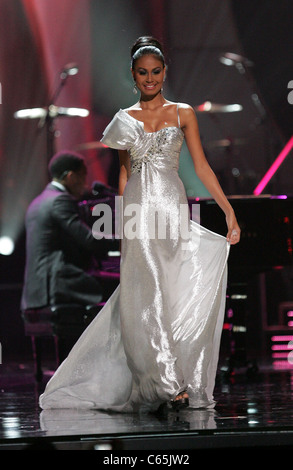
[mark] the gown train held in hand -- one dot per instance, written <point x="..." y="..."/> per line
<point x="160" y="331"/>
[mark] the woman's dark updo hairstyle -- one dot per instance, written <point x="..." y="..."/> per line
<point x="145" y="45"/>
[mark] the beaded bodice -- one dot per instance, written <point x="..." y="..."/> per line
<point x="160" y="149"/>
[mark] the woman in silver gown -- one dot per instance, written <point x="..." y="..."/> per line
<point x="157" y="338"/>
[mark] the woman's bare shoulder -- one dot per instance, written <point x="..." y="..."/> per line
<point x="187" y="114"/>
<point x="185" y="107"/>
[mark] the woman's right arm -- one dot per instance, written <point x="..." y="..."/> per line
<point x="124" y="170"/>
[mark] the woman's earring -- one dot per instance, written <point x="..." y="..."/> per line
<point x="162" y="85"/>
<point x="134" y="89"/>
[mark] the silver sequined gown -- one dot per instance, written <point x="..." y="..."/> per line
<point x="160" y="331"/>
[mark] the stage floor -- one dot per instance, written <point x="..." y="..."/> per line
<point x="251" y="412"/>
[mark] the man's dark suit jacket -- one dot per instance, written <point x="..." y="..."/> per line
<point x="59" y="250"/>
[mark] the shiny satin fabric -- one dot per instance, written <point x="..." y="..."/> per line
<point x="160" y="331"/>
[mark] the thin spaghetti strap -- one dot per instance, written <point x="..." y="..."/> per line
<point x="178" y="115"/>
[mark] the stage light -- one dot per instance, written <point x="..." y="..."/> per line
<point x="272" y="170"/>
<point x="33" y="113"/>
<point x="208" y="107"/>
<point x="69" y="69"/>
<point x="73" y="71"/>
<point x="6" y="246"/>
<point x="53" y="112"/>
<point x="78" y="112"/>
<point x="230" y="58"/>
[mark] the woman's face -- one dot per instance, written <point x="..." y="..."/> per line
<point x="148" y="73"/>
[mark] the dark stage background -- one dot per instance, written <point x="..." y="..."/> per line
<point x="39" y="37"/>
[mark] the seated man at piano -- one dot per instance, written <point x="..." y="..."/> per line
<point x="60" y="247"/>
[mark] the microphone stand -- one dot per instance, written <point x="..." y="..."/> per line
<point x="48" y="120"/>
<point x="264" y="118"/>
<point x="50" y="117"/>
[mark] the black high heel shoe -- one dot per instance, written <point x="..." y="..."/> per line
<point x="180" y="403"/>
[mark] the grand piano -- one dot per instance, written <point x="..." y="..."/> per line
<point x="266" y="224"/>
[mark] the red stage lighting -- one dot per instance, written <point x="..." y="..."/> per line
<point x="272" y="170"/>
